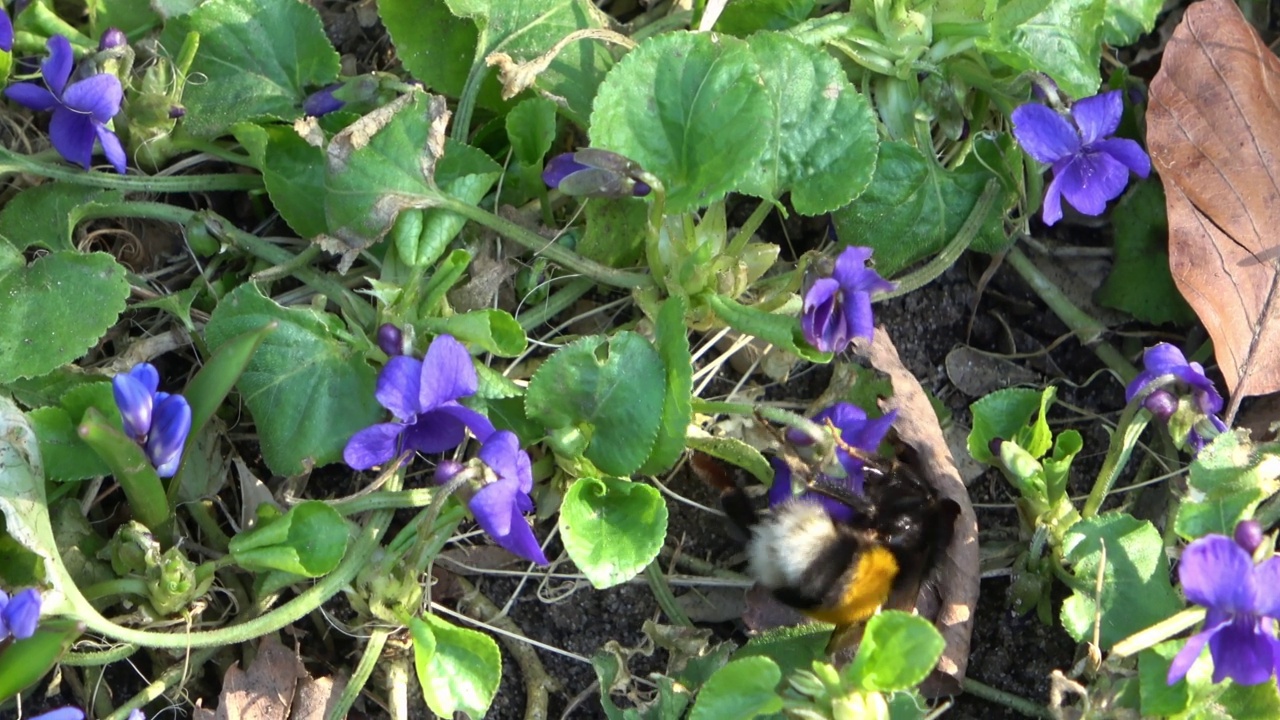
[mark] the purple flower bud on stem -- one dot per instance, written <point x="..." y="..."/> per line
<point x="112" y="38"/>
<point x="1161" y="404"/>
<point x="6" y="31"/>
<point x="390" y="339"/>
<point x="447" y="470"/>
<point x="322" y="102"/>
<point x="1248" y="535"/>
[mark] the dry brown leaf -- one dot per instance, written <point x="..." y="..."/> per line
<point x="1213" y="130"/>
<point x="316" y="696"/>
<point x="266" y="691"/>
<point x="955" y="594"/>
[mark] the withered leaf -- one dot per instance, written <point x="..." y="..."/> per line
<point x="951" y="600"/>
<point x="1213" y="129"/>
<point x="266" y="691"/>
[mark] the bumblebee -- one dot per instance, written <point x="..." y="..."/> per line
<point x="841" y="568"/>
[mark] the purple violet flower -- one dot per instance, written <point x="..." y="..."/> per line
<point x="838" y="308"/>
<point x="81" y="110"/>
<point x="499" y="506"/>
<point x="74" y="713"/>
<point x="1162" y="360"/>
<point x="20" y="614"/>
<point x="158" y="421"/>
<point x="423" y="396"/>
<point x="1089" y="167"/>
<point x="1242" y="607"/>
<point x="591" y="172"/>
<point x="855" y="430"/>
<point x="6" y="31"/>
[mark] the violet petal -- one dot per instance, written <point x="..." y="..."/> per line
<point x="372" y="446"/>
<point x="447" y="373"/>
<point x="1043" y="133"/>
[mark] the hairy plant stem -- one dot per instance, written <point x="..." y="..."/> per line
<point x="1087" y="329"/>
<point x="1009" y="700"/>
<point x="537" y="683"/>
<point x="951" y="252"/>
<point x="1123" y="440"/>
<point x="559" y="301"/>
<point x="313" y="597"/>
<point x="368" y="661"/>
<point x="748" y="229"/>
<point x="542" y="246"/>
<point x="355" y="308"/>
<point x="662" y="593"/>
<point x="12" y="162"/>
<point x="171" y="677"/>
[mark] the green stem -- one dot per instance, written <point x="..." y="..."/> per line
<point x="386" y="500"/>
<point x="351" y="304"/>
<point x="119" y="586"/>
<point x="175" y="674"/>
<point x="292" y="611"/>
<point x="662" y="593"/>
<point x="11" y="162"/>
<point x="778" y="415"/>
<point x="368" y="661"/>
<point x="542" y="246"/>
<point x="748" y="228"/>
<point x="559" y="301"/>
<point x="203" y="515"/>
<point x="1088" y="330"/>
<point x="1009" y="700"/>
<point x="467" y="100"/>
<point x="1123" y="440"/>
<point x="951" y="252"/>
<point x="96" y="658"/>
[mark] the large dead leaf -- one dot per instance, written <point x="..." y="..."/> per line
<point x="949" y="601"/>
<point x="1213" y="129"/>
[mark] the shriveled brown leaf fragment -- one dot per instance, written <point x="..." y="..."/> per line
<point x="1213" y="130"/>
<point x="950" y="601"/>
<point x="266" y="691"/>
<point x="316" y="696"/>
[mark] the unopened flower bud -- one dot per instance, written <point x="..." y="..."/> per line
<point x="112" y="38"/>
<point x="390" y="339"/>
<point x="1248" y="535"/>
<point x="447" y="470"/>
<point x="1161" y="404"/>
<point x="322" y="102"/>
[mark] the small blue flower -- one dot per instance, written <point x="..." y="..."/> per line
<point x="20" y="614"/>
<point x="6" y="31"/>
<point x="838" y="308"/>
<point x="1089" y="166"/>
<point x="855" y="430"/>
<point x="73" y="713"/>
<point x="591" y="172"/>
<point x="423" y="396"/>
<point x="1242" y="607"/>
<point x="500" y="505"/>
<point x="1162" y="360"/>
<point x="81" y="110"/>
<point x="157" y="421"/>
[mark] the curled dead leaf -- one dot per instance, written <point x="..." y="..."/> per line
<point x="951" y="599"/>
<point x="1213" y="130"/>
